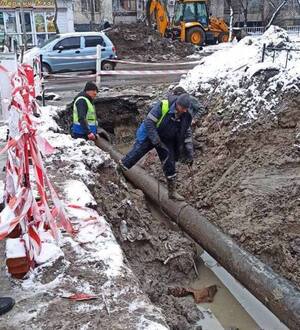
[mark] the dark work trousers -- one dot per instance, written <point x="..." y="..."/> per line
<point x="140" y="149"/>
<point x="79" y="136"/>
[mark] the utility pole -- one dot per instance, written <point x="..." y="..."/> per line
<point x="24" y="38"/>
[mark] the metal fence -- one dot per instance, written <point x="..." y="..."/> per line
<point x="276" y="49"/>
<point x="258" y="30"/>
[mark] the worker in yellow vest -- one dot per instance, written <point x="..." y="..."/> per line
<point x="84" y="114"/>
<point x="166" y="128"/>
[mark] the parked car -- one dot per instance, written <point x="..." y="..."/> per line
<point x="65" y="52"/>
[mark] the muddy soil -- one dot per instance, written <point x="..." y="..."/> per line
<point x="151" y="248"/>
<point x="248" y="182"/>
<point x="137" y="41"/>
<point x="158" y="253"/>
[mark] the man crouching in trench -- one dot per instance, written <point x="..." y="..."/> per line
<point x="167" y="128"/>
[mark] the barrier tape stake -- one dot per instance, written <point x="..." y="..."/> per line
<point x="98" y="66"/>
<point x="43" y="94"/>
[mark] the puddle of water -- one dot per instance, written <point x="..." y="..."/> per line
<point x="235" y="306"/>
<point x="226" y="309"/>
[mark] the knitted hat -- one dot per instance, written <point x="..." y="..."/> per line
<point x="178" y="90"/>
<point x="184" y="100"/>
<point x="91" y="86"/>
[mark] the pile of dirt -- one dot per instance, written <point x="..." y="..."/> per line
<point x="140" y="42"/>
<point x="247" y="182"/>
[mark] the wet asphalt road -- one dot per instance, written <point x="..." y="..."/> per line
<point x="75" y="84"/>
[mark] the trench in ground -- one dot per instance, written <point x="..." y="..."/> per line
<point x="155" y="240"/>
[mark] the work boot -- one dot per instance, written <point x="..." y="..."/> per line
<point x="172" y="193"/>
<point x="6" y="304"/>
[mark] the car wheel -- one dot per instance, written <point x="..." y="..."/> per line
<point x="107" y="66"/>
<point x="46" y="68"/>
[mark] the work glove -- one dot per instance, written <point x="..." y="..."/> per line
<point x="91" y="136"/>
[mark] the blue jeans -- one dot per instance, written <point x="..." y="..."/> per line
<point x="140" y="149"/>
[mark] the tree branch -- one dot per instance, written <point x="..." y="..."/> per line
<point x="242" y="4"/>
<point x="276" y="12"/>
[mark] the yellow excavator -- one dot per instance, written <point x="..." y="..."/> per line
<point x="190" y="23"/>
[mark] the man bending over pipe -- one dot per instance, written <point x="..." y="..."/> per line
<point x="166" y="128"/>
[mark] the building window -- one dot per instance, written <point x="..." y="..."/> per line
<point x="50" y="22"/>
<point x="2" y="30"/>
<point x="10" y="22"/>
<point x="39" y="20"/>
<point x="129" y="5"/>
<point x="85" y="5"/>
<point x="97" y="6"/>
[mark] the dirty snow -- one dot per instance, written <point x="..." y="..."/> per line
<point x="15" y="248"/>
<point x="235" y="73"/>
<point x="84" y="199"/>
<point x="93" y="251"/>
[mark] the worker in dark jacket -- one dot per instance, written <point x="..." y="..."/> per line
<point x="166" y="127"/>
<point x="84" y="113"/>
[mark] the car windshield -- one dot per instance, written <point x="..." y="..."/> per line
<point x="49" y="40"/>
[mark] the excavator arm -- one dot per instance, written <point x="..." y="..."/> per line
<point x="156" y="12"/>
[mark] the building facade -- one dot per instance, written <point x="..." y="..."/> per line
<point x="33" y="20"/>
<point x="259" y="12"/>
<point x="89" y="15"/>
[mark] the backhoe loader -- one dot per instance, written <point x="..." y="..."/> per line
<point x="190" y="23"/>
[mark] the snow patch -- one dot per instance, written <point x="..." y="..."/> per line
<point x="15" y="248"/>
<point x="252" y="88"/>
<point x="77" y="192"/>
<point x="49" y="252"/>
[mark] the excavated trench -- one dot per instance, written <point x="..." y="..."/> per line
<point x="159" y="253"/>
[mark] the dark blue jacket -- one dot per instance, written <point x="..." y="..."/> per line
<point x="172" y="131"/>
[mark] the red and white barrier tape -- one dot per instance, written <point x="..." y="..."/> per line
<point x="119" y="72"/>
<point x="21" y="207"/>
<point x="141" y="73"/>
<point x="155" y="63"/>
<point x="94" y="57"/>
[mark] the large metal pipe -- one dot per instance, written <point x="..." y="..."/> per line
<point x="277" y="293"/>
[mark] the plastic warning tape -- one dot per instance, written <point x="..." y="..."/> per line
<point x="93" y="57"/>
<point x="144" y="72"/>
<point x="25" y="150"/>
<point x="155" y="63"/>
<point x="120" y="72"/>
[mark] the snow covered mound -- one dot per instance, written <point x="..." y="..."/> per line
<point x="249" y="88"/>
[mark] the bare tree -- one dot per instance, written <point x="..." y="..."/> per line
<point x="92" y="21"/>
<point x="229" y="3"/>
<point x="55" y="17"/>
<point x="244" y="7"/>
<point x="276" y="12"/>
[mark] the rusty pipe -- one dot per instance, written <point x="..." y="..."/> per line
<point x="274" y="291"/>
